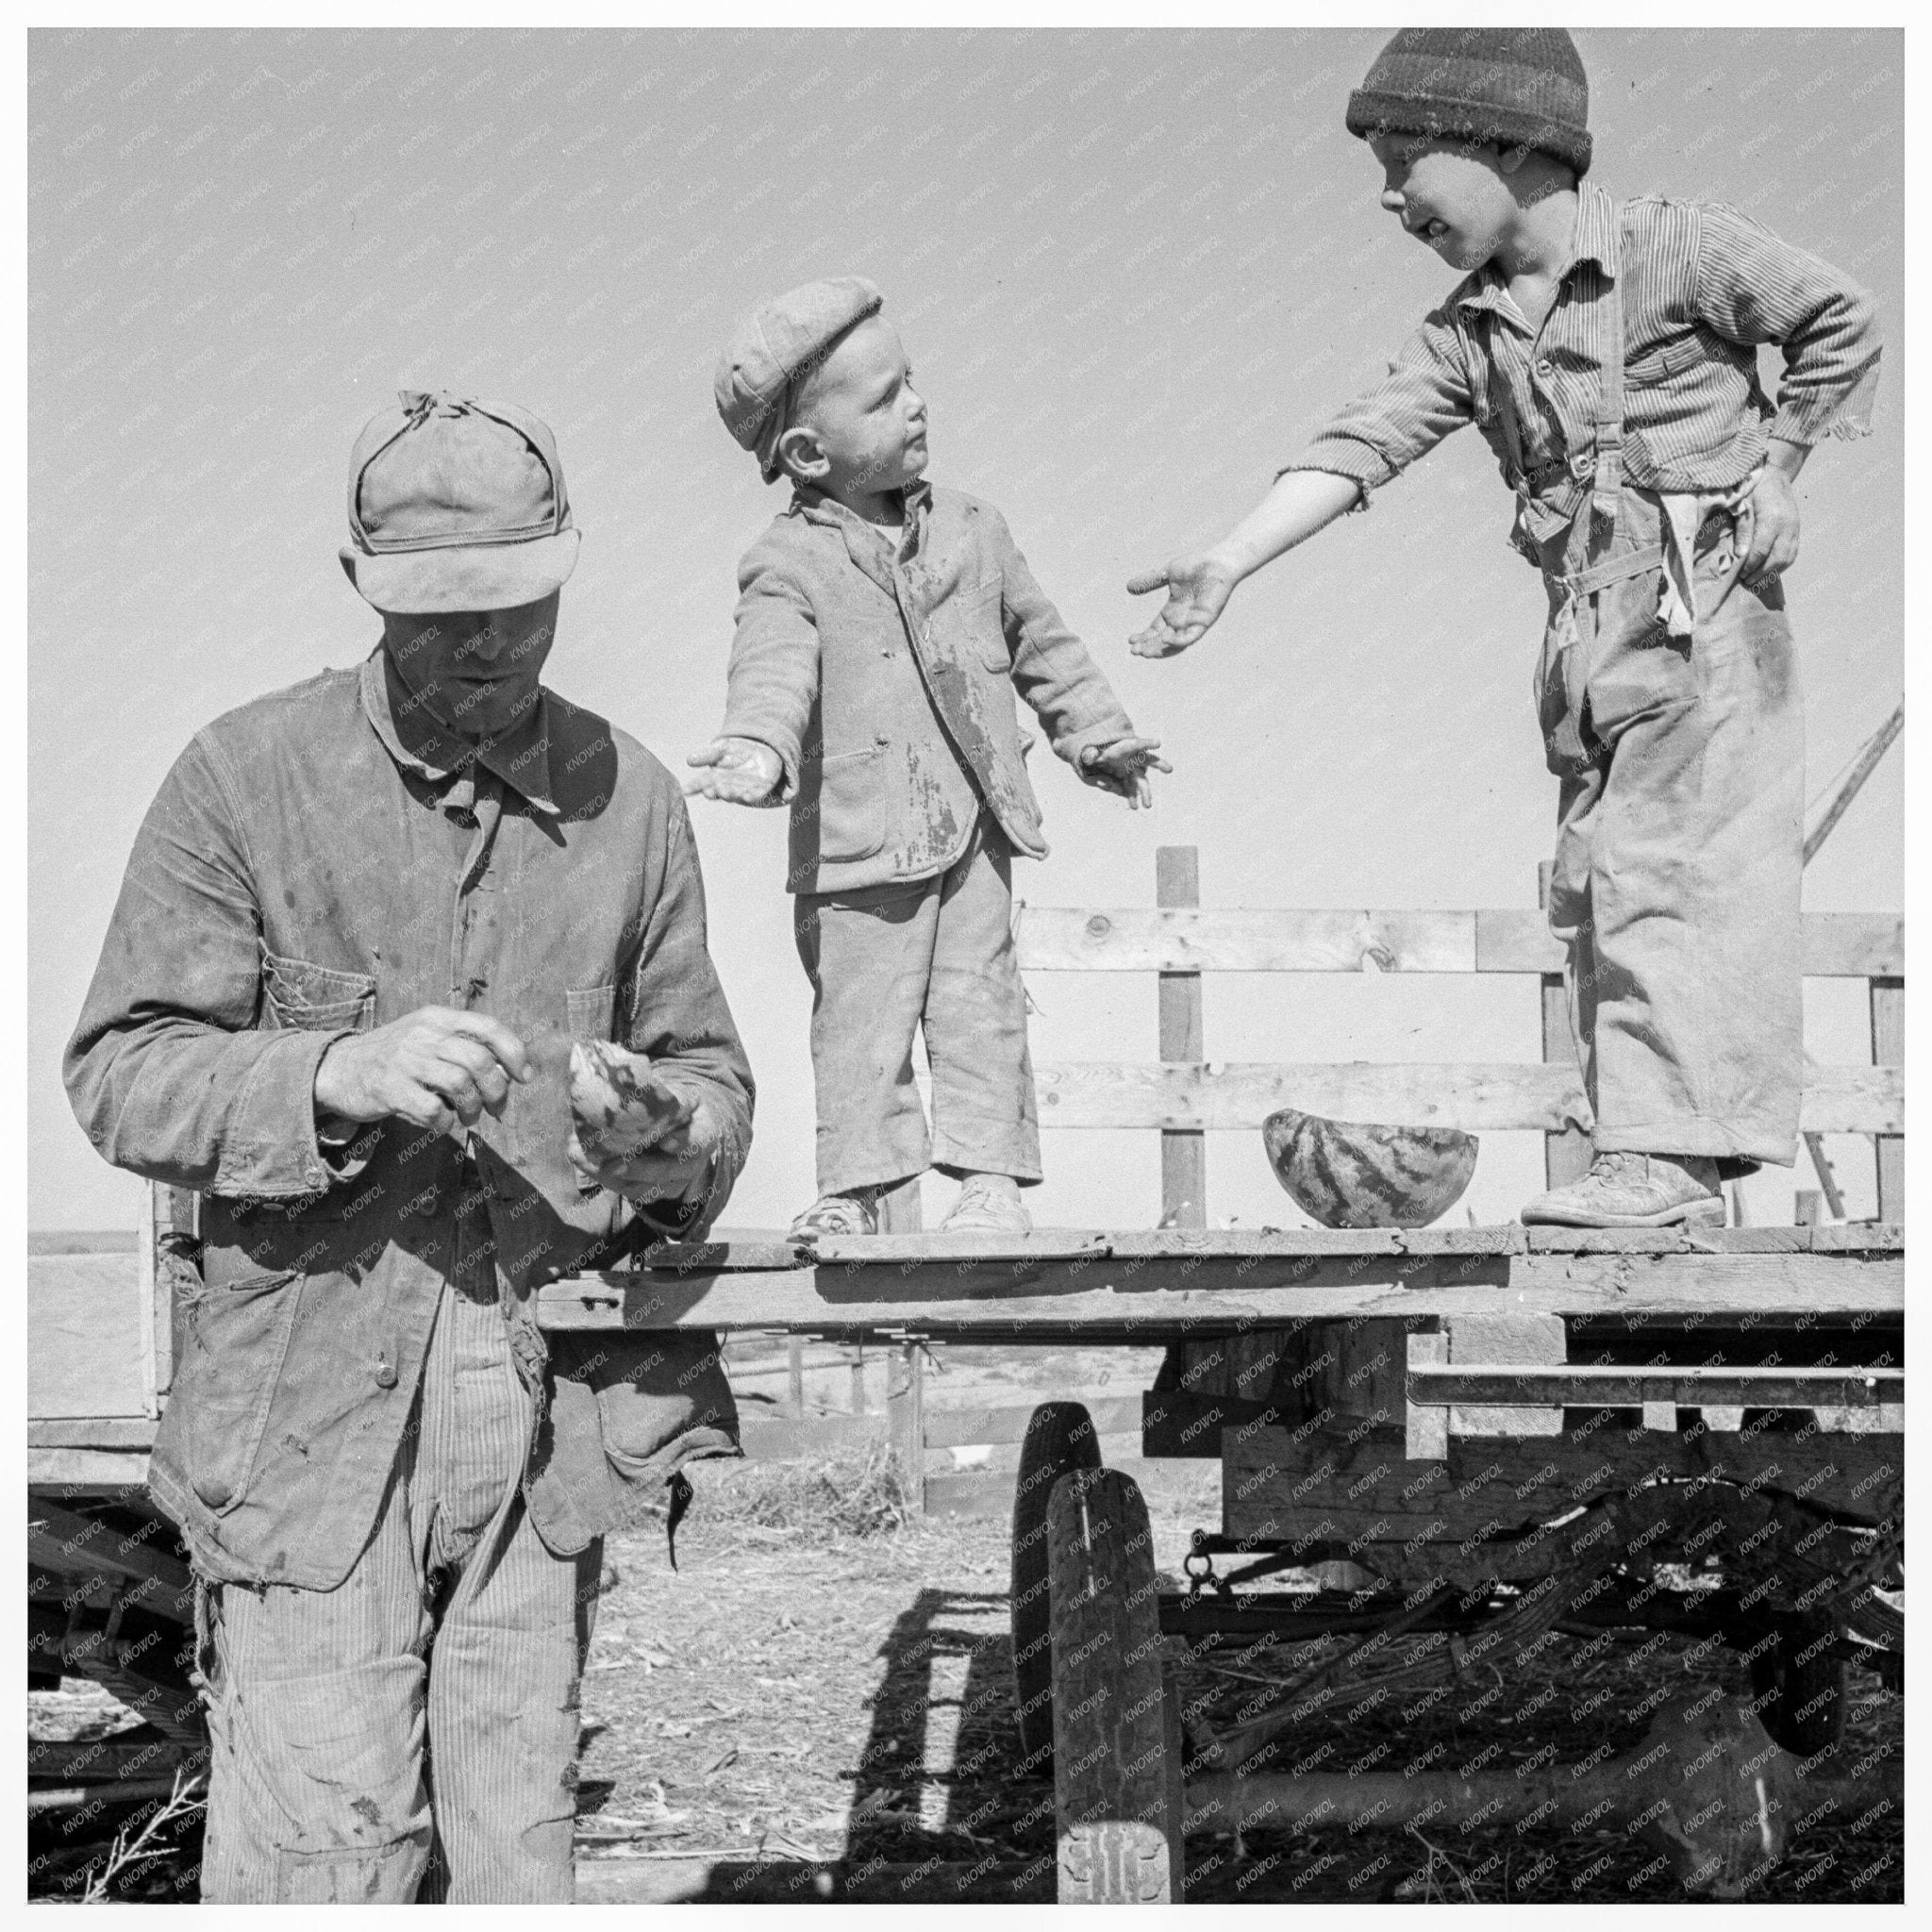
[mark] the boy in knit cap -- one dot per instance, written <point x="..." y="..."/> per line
<point x="882" y="629"/>
<point x="1606" y="351"/>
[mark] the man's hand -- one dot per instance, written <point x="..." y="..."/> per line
<point x="1123" y="767"/>
<point x="434" y="1067"/>
<point x="741" y="771"/>
<point x="1767" y="533"/>
<point x="1198" y="588"/>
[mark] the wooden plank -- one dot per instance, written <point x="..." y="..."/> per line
<point x="1085" y="1247"/>
<point x="1011" y="1301"/>
<point x="87" y="1471"/>
<point x="1067" y="939"/>
<point x="1888" y="1049"/>
<point x="966" y="1428"/>
<point x="1354" y="1478"/>
<point x="97" y="1761"/>
<point x="1836" y="945"/>
<point x="1425" y="1427"/>
<point x="88" y="1349"/>
<point x="1476" y="1096"/>
<point x="90" y="1432"/>
<point x="1134" y="940"/>
<point x="1506" y="1337"/>
<point x="1613" y="1386"/>
<point x="741" y="1251"/>
<point x="1183" y="1153"/>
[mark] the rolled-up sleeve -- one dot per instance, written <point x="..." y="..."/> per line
<point x="773" y="675"/>
<point x="1755" y="288"/>
<point x="166" y="1071"/>
<point x="1425" y="395"/>
<point x="678" y="1016"/>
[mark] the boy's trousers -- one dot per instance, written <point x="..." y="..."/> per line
<point x="429" y="1703"/>
<point x="886" y="960"/>
<point x="1679" y="852"/>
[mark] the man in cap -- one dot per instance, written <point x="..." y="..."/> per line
<point x="371" y="924"/>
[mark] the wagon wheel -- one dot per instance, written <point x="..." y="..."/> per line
<point x="1117" y="1772"/>
<point x="1060" y="1440"/>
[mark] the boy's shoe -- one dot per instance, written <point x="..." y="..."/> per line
<point x="983" y="1208"/>
<point x="1635" y="1191"/>
<point x="838" y="1214"/>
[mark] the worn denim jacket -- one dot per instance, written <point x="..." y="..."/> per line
<point x="303" y="875"/>
<point x="886" y="684"/>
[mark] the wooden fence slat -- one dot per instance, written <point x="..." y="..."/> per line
<point x="1476" y="1096"/>
<point x="1889" y="1047"/>
<point x="1183" y="1154"/>
<point x="1139" y="939"/>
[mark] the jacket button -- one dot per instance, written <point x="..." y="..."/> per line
<point x="385" y="1374"/>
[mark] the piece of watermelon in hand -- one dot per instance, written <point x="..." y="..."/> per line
<point x="620" y="1102"/>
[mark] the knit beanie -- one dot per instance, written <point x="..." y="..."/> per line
<point x="1516" y="85"/>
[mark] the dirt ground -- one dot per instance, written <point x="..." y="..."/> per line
<point x="805" y="1699"/>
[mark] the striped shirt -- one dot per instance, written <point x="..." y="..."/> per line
<point x="1702" y="287"/>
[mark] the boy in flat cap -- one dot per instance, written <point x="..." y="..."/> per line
<point x="882" y="629"/>
<point x="375" y="932"/>
<point x="1606" y="351"/>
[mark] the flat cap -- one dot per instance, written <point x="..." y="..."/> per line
<point x="456" y="505"/>
<point x="773" y="346"/>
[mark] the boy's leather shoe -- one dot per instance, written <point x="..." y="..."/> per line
<point x="983" y="1208"/>
<point x="1635" y="1191"/>
<point x="838" y="1214"/>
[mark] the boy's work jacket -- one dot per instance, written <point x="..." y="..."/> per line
<point x="303" y="873"/>
<point x="886" y="684"/>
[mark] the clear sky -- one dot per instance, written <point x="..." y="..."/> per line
<point x="1133" y="270"/>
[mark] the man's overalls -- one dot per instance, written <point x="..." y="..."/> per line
<point x="1680" y="818"/>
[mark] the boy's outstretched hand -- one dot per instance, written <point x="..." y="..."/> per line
<point x="1197" y="588"/>
<point x="1123" y="767"/>
<point x="741" y="771"/>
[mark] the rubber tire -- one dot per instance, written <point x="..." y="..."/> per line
<point x="1116" y="1787"/>
<point x="1060" y="1440"/>
<point x="1804" y="1706"/>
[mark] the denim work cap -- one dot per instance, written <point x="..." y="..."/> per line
<point x="455" y="505"/>
<point x="773" y="346"/>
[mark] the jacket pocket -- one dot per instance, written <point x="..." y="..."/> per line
<point x="316" y="999"/>
<point x="849" y="796"/>
<point x="663" y="1398"/>
<point x="977" y="625"/>
<point x="236" y="1335"/>
<point x="592" y="1013"/>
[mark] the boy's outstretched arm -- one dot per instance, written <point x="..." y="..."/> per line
<point x="1424" y="397"/>
<point x="1199" y="584"/>
<point x="772" y="680"/>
